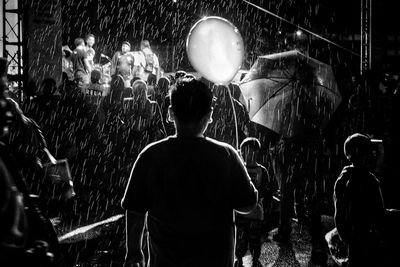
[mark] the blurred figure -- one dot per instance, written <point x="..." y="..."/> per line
<point x="250" y="227"/>
<point x="179" y="75"/>
<point x="81" y="64"/>
<point x="152" y="68"/>
<point x="143" y="119"/>
<point x="90" y="40"/>
<point x="67" y="66"/>
<point x="222" y="128"/>
<point x="297" y="163"/>
<point x="13" y="223"/>
<point x="26" y="237"/>
<point x="95" y="87"/>
<point x="184" y="194"/>
<point x="123" y="63"/>
<point x="163" y="101"/>
<point x="359" y="208"/>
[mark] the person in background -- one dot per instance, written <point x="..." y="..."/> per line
<point x="223" y="126"/>
<point x="95" y="87"/>
<point x="90" y="40"/>
<point x="67" y="66"/>
<point x="123" y="63"/>
<point x="359" y="207"/>
<point x="81" y="64"/>
<point x="184" y="194"/>
<point x="250" y="226"/>
<point x="152" y="67"/>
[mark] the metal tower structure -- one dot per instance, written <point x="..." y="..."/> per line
<point x="12" y="39"/>
<point x="366" y="15"/>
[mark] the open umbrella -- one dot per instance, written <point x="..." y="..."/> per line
<point x="290" y="93"/>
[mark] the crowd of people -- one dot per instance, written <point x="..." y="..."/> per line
<point x="80" y="66"/>
<point x="183" y="157"/>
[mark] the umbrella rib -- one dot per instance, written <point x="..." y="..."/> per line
<point x="275" y="93"/>
<point x="329" y="89"/>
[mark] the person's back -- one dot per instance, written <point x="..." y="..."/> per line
<point x="189" y="185"/>
<point x="78" y="55"/>
<point x="192" y="185"/>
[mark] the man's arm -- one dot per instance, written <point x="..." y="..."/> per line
<point x="88" y="66"/>
<point x="157" y="67"/>
<point x="135" y="223"/>
<point x="341" y="208"/>
<point x="114" y="62"/>
<point x="135" y="204"/>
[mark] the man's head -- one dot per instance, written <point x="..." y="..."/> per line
<point x="126" y="47"/>
<point x="144" y="44"/>
<point x="79" y="42"/>
<point x="95" y="76"/>
<point x="249" y="149"/>
<point x="48" y="86"/>
<point x="90" y="40"/>
<point x="358" y="148"/>
<point x="191" y="104"/>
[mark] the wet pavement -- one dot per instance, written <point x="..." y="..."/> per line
<point x="101" y="243"/>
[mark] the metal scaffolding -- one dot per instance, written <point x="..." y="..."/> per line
<point x="366" y="14"/>
<point x="13" y="39"/>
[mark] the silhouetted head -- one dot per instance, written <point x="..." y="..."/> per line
<point x="117" y="86"/>
<point x="48" y="86"/>
<point x="144" y="44"/>
<point x="79" y="42"/>
<point x="191" y="101"/>
<point x="139" y="89"/>
<point x="249" y="149"/>
<point x="358" y="148"/>
<point x="163" y="85"/>
<point x="95" y="76"/>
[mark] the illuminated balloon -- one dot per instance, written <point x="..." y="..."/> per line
<point x="215" y="49"/>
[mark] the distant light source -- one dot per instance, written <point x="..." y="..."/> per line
<point x="299" y="32"/>
<point x="174" y="1"/>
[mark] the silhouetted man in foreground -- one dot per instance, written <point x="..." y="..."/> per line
<point x="187" y="187"/>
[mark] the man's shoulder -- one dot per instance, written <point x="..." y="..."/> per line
<point x="208" y="144"/>
<point x="344" y="176"/>
<point x="154" y="148"/>
<point x="219" y="144"/>
<point x="79" y="52"/>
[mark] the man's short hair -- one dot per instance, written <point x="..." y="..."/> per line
<point x="190" y="100"/>
<point x="251" y="142"/>
<point x="356" y="145"/>
<point x="89" y="35"/>
<point x="79" y="41"/>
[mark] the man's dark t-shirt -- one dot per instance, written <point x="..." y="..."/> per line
<point x="78" y="57"/>
<point x="189" y="187"/>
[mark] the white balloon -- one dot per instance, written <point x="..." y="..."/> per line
<point x="215" y="49"/>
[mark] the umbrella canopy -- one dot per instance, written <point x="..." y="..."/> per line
<point x="290" y="93"/>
